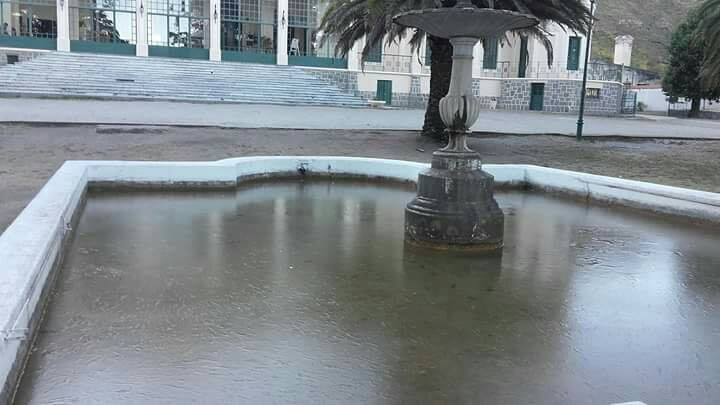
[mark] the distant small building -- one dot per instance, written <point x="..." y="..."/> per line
<point x="623" y="50"/>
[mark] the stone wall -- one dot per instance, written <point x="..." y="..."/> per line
<point x="609" y="102"/>
<point x="348" y="82"/>
<point x="410" y="100"/>
<point x="401" y="100"/>
<point x="561" y="96"/>
<point x="343" y="79"/>
<point x="514" y="95"/>
<point x="486" y="102"/>
<point x="418" y="100"/>
<point x="22" y="54"/>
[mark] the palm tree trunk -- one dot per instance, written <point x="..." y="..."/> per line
<point x="441" y="67"/>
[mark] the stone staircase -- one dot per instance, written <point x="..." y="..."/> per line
<point x="79" y="75"/>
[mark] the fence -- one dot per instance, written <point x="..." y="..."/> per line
<point x="324" y="58"/>
<point x="629" y="103"/>
<point x="389" y="63"/>
<point x="504" y="69"/>
<point x="681" y="108"/>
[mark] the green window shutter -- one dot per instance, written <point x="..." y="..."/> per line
<point x="522" y="66"/>
<point x="573" y="62"/>
<point x="490" y="53"/>
<point x="375" y="55"/>
<point x="428" y="53"/>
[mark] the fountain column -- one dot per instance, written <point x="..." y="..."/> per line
<point x="455" y="208"/>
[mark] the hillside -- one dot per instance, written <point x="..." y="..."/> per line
<point x="651" y="22"/>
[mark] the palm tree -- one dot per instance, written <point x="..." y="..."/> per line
<point x="348" y="21"/>
<point x="710" y="29"/>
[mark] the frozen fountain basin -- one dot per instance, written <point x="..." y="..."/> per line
<point x="302" y="290"/>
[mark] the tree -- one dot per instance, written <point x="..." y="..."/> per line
<point x="687" y="53"/>
<point x="348" y="21"/>
<point x="710" y="30"/>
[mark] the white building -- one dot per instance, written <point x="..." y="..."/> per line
<point x="513" y="74"/>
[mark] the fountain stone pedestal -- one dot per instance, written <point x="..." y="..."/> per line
<point x="455" y="208"/>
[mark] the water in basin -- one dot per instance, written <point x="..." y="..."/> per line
<point x="303" y="292"/>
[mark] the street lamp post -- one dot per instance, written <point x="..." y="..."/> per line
<point x="580" y="121"/>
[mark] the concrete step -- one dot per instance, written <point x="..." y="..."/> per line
<point x="162" y="90"/>
<point x="195" y="92"/>
<point x="45" y="94"/>
<point x="60" y="74"/>
<point x="220" y="87"/>
<point x="165" y="73"/>
<point x="127" y="67"/>
<point x="207" y="81"/>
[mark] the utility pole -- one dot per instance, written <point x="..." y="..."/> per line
<point x="580" y="121"/>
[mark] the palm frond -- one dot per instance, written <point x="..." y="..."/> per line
<point x="349" y="21"/>
<point x="709" y="28"/>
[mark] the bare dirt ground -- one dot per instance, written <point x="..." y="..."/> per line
<point x="30" y="154"/>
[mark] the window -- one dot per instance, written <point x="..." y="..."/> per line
<point x="103" y="21"/>
<point x="428" y="53"/>
<point x="303" y="20"/>
<point x="304" y="35"/>
<point x="573" y="62"/>
<point x="592" y="93"/>
<point x="490" y="53"/>
<point x="375" y="54"/>
<point x="28" y="18"/>
<point x="524" y="56"/>
<point x="302" y="13"/>
<point x="248" y="26"/>
<point x="179" y="23"/>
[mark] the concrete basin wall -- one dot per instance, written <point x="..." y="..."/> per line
<point x="31" y="249"/>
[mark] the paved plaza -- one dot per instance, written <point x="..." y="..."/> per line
<point x="290" y="117"/>
<point x="30" y="154"/>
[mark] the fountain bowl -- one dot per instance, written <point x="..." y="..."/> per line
<point x="470" y="22"/>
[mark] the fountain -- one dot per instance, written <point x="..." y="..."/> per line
<point x="285" y="278"/>
<point x="454" y="208"/>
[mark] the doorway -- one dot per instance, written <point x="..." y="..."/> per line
<point x="537" y="96"/>
<point x="384" y="91"/>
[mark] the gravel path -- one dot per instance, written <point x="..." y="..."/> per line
<point x="30" y="154"/>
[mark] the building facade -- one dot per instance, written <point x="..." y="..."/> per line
<point x="510" y="73"/>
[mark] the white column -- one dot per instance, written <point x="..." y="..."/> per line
<point x="353" y="57"/>
<point x="478" y="56"/>
<point x="415" y="57"/>
<point x="63" y="25"/>
<point x="215" y="51"/>
<point x="141" y="37"/>
<point x="282" y="32"/>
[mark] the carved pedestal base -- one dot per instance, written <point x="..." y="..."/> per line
<point x="455" y="208"/>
